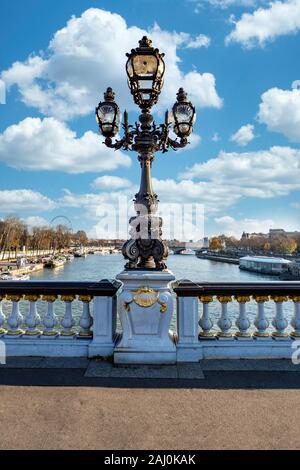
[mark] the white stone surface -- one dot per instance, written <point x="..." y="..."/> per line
<point x="146" y="338"/>
<point x="104" y="326"/>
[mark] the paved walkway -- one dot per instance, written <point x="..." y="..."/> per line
<point x="71" y="404"/>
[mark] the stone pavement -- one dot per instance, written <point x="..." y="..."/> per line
<point x="79" y="404"/>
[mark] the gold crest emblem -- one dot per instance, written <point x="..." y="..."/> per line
<point x="145" y="297"/>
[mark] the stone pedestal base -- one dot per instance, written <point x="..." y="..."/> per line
<point x="145" y="307"/>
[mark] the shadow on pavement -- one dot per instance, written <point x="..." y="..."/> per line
<point x="246" y="379"/>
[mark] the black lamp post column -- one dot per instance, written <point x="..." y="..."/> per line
<point x="145" y="249"/>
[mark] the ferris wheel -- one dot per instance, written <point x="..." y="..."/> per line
<point x="62" y="220"/>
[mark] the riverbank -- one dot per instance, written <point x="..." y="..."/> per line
<point x="219" y="258"/>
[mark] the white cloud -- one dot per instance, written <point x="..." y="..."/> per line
<point x="48" y="144"/>
<point x="88" y="54"/>
<point x="280" y="111"/>
<point x="15" y="200"/>
<point x="296" y="84"/>
<point x="266" y="24"/>
<point x="224" y="4"/>
<point x="260" y="174"/>
<point x="193" y="141"/>
<point x="216" y="137"/>
<point x="230" y="226"/>
<point x="218" y="184"/>
<point x="2" y="92"/>
<point x="215" y="198"/>
<point x="36" y="221"/>
<point x="199" y="41"/>
<point x="244" y="135"/>
<point x="92" y="201"/>
<point x="108" y="182"/>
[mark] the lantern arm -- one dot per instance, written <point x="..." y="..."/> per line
<point x="126" y="142"/>
<point x="178" y="144"/>
<point x="165" y="141"/>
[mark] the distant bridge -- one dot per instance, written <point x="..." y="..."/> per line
<point x="176" y="247"/>
<point x="179" y="247"/>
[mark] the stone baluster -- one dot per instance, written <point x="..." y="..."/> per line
<point x="15" y="319"/>
<point x="33" y="319"/>
<point x="279" y="322"/>
<point x="68" y="321"/>
<point x="224" y="323"/>
<point x="243" y="322"/>
<point x="205" y="322"/>
<point x="50" y="319"/>
<point x="296" y="318"/>
<point x="86" y="320"/>
<point x="2" y="316"/>
<point x="261" y="321"/>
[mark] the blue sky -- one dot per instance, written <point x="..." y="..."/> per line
<point x="238" y="59"/>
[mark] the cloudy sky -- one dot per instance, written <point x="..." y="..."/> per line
<point x="237" y="59"/>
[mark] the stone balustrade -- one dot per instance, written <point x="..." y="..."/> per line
<point x="40" y="330"/>
<point x="214" y="320"/>
<point x="217" y="320"/>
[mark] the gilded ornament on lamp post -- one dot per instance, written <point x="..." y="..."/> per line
<point x="145" y="70"/>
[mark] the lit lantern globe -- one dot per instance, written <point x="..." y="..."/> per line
<point x="145" y="70"/>
<point x="108" y="115"/>
<point x="184" y="115"/>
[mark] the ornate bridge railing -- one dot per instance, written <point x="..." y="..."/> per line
<point x="58" y="318"/>
<point x="214" y="320"/>
<point x="237" y="320"/>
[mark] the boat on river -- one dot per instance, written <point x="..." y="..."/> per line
<point x="80" y="254"/>
<point x="188" y="251"/>
<point x="7" y="276"/>
<point x="264" y="264"/>
<point x="55" y="263"/>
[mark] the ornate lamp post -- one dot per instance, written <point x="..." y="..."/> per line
<point x="145" y="303"/>
<point x="145" y="70"/>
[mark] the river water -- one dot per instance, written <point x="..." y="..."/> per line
<point x="97" y="267"/>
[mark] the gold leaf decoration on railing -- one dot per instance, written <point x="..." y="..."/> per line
<point x="242" y="298"/>
<point x="261" y="298"/>
<point x="32" y="298"/>
<point x="85" y="298"/>
<point x="279" y="298"/>
<point x="224" y="298"/>
<point x="206" y="299"/>
<point x="145" y="297"/>
<point x="163" y="307"/>
<point x="68" y="298"/>
<point x="49" y="298"/>
<point x="14" y="298"/>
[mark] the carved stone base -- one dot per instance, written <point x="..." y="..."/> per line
<point x="145" y="254"/>
<point x="145" y="308"/>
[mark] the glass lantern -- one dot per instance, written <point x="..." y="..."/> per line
<point x="108" y="115"/>
<point x="145" y="70"/>
<point x="184" y="115"/>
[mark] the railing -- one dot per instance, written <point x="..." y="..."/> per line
<point x="221" y="332"/>
<point x="29" y="333"/>
<point x="214" y="320"/>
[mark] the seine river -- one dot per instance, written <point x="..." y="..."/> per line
<point x="97" y="267"/>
